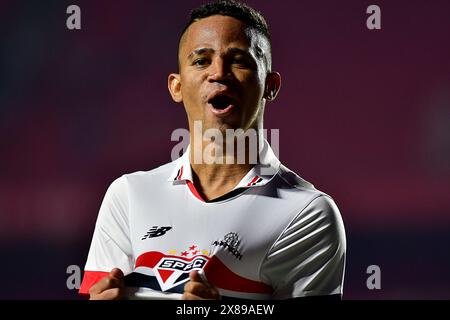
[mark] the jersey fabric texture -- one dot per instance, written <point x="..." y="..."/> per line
<point x="275" y="237"/>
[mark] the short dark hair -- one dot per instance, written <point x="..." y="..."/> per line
<point x="236" y="9"/>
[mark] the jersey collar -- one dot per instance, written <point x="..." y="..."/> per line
<point x="259" y="175"/>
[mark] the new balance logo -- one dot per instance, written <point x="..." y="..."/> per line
<point x="156" y="232"/>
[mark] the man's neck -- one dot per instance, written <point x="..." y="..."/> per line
<point x="215" y="179"/>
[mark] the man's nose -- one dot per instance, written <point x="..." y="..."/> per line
<point x="219" y="71"/>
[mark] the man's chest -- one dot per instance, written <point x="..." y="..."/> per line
<point x="244" y="227"/>
<point x="172" y="238"/>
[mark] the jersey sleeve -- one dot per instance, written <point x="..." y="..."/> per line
<point x="308" y="259"/>
<point x="111" y="245"/>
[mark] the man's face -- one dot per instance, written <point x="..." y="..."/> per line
<point x="222" y="73"/>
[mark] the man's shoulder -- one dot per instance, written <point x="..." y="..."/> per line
<point x="312" y="204"/>
<point x="157" y="175"/>
<point x="299" y="190"/>
<point x="291" y="180"/>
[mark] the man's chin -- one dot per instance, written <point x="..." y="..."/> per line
<point x="222" y="124"/>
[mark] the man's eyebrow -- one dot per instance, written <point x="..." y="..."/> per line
<point x="211" y="50"/>
<point x="237" y="50"/>
<point x="200" y="51"/>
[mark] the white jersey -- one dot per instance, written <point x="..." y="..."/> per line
<point x="275" y="237"/>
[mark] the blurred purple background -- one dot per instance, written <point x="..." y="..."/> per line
<point x="364" y="115"/>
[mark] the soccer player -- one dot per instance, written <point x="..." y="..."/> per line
<point x="196" y="229"/>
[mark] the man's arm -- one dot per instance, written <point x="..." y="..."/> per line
<point x="308" y="259"/>
<point x="110" y="247"/>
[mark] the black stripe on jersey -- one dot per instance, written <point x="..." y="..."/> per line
<point x="228" y="195"/>
<point x="136" y="279"/>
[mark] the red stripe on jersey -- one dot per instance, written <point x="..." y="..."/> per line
<point x="194" y="191"/>
<point x="222" y="277"/>
<point x="149" y="259"/>
<point x="89" y="279"/>
<point x="253" y="180"/>
<point x="216" y="272"/>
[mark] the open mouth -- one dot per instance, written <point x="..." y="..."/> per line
<point x="221" y="102"/>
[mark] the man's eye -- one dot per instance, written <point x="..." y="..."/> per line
<point x="200" y="62"/>
<point x="240" y="62"/>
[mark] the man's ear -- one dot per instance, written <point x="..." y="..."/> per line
<point x="273" y="85"/>
<point x="174" y="84"/>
